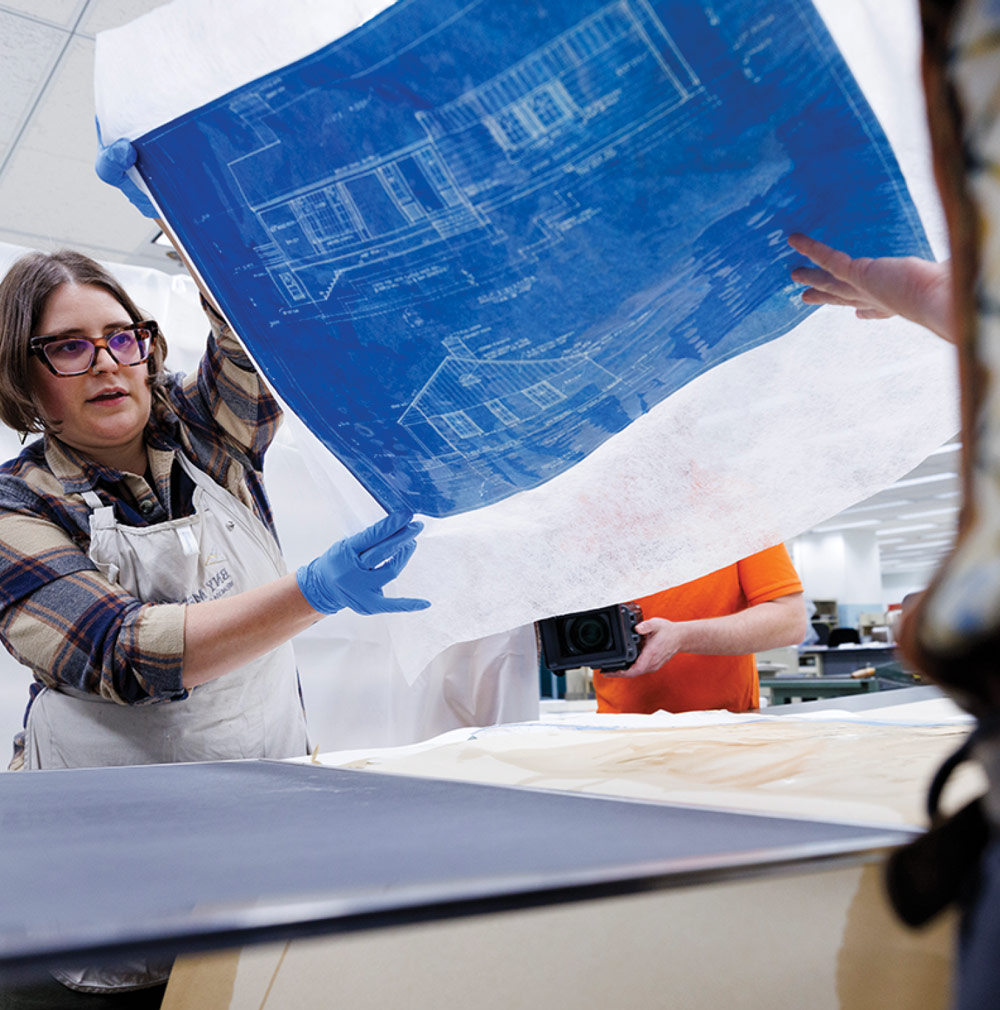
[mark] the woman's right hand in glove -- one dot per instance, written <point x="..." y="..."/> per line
<point x="353" y="571"/>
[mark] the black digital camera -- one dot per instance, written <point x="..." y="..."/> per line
<point x="604" y="638"/>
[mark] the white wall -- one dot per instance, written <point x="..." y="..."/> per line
<point x="896" y="585"/>
<point x="862" y="567"/>
<point x="819" y="560"/>
<point x="839" y="566"/>
<point x="844" y="566"/>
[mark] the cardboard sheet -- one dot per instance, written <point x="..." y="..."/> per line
<point x="815" y="937"/>
<point x="872" y="766"/>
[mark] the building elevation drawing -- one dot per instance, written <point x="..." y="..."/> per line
<point x="469" y="242"/>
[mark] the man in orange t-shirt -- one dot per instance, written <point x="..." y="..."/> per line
<point x="700" y="638"/>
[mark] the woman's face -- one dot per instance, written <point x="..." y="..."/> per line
<point x="104" y="411"/>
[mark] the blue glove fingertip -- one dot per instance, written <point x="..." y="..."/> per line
<point x="394" y="564"/>
<point x="379" y="531"/>
<point x="402" y="604"/>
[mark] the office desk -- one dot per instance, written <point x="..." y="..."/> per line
<point x="783" y="690"/>
<point x="877" y="702"/>
<point x="847" y="658"/>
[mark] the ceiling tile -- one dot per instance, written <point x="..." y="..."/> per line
<point x="64" y="119"/>
<point x="102" y="14"/>
<point x="60" y="12"/>
<point x="28" y="52"/>
<point x="61" y="197"/>
<point x="55" y="157"/>
<point x="139" y="257"/>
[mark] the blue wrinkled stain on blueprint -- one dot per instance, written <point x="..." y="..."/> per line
<point x="469" y="242"/>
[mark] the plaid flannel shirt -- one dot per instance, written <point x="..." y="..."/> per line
<point x="58" y="614"/>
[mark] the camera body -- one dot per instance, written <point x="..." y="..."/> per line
<point x="604" y="638"/>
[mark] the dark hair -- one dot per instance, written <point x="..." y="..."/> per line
<point x="24" y="292"/>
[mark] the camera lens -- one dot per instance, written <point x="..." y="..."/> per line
<point x="591" y="633"/>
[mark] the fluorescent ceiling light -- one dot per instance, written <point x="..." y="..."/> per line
<point x="930" y="479"/>
<point x="924" y="547"/>
<point x="948" y="447"/>
<point x="906" y="529"/>
<point x="950" y="510"/>
<point x="845" y="526"/>
<point x="882" y="505"/>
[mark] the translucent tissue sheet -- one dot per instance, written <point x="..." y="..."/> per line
<point x="769" y="418"/>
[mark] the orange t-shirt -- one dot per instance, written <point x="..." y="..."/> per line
<point x="691" y="682"/>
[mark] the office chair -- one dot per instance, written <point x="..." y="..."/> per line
<point x="841" y="636"/>
<point x="822" y="632"/>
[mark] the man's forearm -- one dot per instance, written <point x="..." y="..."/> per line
<point x="768" y="625"/>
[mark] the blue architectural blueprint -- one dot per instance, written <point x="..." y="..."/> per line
<point x="470" y="241"/>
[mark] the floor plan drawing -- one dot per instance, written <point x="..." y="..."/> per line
<point x="468" y="242"/>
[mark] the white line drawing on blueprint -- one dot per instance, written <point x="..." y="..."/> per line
<point x="475" y="239"/>
<point x="552" y="116"/>
<point x="384" y="207"/>
<point x="517" y="392"/>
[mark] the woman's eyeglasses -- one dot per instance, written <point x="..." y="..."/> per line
<point x="131" y="345"/>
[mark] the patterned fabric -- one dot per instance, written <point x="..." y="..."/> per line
<point x="58" y="614"/>
<point x="956" y="635"/>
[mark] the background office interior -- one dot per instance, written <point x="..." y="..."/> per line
<point x="862" y="562"/>
<point x="857" y="564"/>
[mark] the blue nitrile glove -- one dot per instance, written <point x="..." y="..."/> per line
<point x="112" y="163"/>
<point x="353" y="571"/>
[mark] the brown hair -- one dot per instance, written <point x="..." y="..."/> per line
<point x="23" y="293"/>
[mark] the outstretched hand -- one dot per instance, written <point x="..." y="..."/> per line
<point x="917" y="289"/>
<point x="354" y="570"/>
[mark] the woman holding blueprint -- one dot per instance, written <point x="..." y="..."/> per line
<point x="142" y="581"/>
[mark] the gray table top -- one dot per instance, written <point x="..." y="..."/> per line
<point x="100" y="863"/>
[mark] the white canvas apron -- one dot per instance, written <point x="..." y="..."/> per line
<point x="252" y="712"/>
